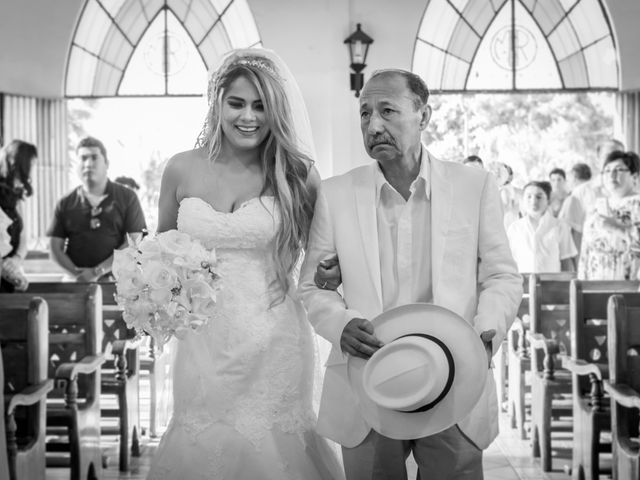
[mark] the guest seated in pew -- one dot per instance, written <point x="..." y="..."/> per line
<point x="16" y="161"/>
<point x="539" y="241"/>
<point x="94" y="219"/>
<point x="611" y="238"/>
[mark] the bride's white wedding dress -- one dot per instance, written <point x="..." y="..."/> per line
<point x="243" y="384"/>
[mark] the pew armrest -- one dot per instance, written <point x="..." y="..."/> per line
<point x="29" y="396"/>
<point x="118" y="347"/>
<point x="580" y="367"/>
<point x="538" y="341"/>
<point x="70" y="371"/>
<point x="623" y="394"/>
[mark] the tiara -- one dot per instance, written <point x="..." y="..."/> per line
<point x="256" y="62"/>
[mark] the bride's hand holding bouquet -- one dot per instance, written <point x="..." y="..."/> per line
<point x="166" y="285"/>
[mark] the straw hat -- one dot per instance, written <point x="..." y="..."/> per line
<point x="426" y="378"/>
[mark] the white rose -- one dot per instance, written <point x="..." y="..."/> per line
<point x="129" y="284"/>
<point x="124" y="261"/>
<point x="197" y="288"/>
<point x="192" y="256"/>
<point x="195" y="321"/>
<point x="174" y="242"/>
<point x="158" y="275"/>
<point x="138" y="313"/>
<point x="160" y="296"/>
<point x="203" y="306"/>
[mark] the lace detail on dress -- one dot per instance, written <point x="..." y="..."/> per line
<point x="252" y="225"/>
<point x="243" y="384"/>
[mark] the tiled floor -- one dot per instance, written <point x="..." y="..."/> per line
<point x="508" y="458"/>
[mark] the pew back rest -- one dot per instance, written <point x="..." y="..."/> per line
<point x="75" y="330"/>
<point x="588" y="315"/>
<point x="113" y="326"/>
<point x="623" y="340"/>
<point x="4" y="461"/>
<point x="549" y="310"/>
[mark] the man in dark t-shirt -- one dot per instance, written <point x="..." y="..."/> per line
<point x="94" y="219"/>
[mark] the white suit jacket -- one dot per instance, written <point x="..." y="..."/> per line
<point x="474" y="275"/>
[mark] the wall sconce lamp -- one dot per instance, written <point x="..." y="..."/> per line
<point x="358" y="43"/>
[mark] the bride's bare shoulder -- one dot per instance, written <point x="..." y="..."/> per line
<point x="183" y="163"/>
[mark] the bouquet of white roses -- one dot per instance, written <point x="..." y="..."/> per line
<point x="166" y="285"/>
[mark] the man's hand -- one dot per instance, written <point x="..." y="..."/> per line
<point x="487" y="337"/>
<point x="328" y="275"/>
<point x="86" y="275"/>
<point x="358" y="338"/>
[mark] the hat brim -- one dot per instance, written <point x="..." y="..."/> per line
<point x="470" y="364"/>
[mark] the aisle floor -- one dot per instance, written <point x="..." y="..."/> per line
<point x="508" y="458"/>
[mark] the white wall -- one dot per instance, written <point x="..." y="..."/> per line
<point x="34" y="42"/>
<point x="626" y="26"/>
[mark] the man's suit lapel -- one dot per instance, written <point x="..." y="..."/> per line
<point x="441" y="202"/>
<point x="365" y="193"/>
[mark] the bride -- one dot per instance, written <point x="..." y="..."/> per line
<point x="243" y="384"/>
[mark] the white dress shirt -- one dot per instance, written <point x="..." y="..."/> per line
<point x="404" y="239"/>
<point x="540" y="249"/>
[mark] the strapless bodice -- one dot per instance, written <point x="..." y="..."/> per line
<point x="252" y="226"/>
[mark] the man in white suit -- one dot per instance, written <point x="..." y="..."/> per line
<point x="406" y="228"/>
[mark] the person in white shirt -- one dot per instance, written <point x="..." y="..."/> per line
<point x="406" y="228"/>
<point x="572" y="211"/>
<point x="559" y="191"/>
<point x="539" y="241"/>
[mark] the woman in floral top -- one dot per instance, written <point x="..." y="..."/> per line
<point x="611" y="241"/>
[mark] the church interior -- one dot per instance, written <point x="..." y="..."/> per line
<point x="134" y="73"/>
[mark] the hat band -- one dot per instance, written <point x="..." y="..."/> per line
<point x="450" y="378"/>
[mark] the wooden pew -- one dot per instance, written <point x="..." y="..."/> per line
<point x="588" y="364"/>
<point x="623" y="387"/>
<point x="24" y="343"/>
<point x="120" y="371"/>
<point x="549" y="335"/>
<point x="73" y="407"/>
<point x="518" y="362"/>
<point x="4" y="459"/>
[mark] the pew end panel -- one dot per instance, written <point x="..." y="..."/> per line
<point x="24" y="343"/>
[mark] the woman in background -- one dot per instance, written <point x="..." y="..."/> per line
<point x="611" y="238"/>
<point x="16" y="161"/>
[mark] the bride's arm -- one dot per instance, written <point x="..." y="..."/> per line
<point x="168" y="201"/>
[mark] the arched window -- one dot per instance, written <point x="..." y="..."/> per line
<point x="153" y="47"/>
<point x="516" y="45"/>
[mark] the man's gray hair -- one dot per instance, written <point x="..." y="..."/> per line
<point x="415" y="83"/>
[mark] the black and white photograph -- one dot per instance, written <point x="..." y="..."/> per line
<point x="319" y="240"/>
